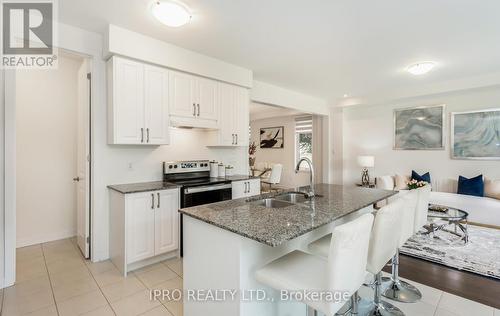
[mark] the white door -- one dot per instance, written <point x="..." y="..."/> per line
<point x="128" y="98"/>
<point x="83" y="161"/>
<point x="227" y="116"/>
<point x="242" y="100"/>
<point x="140" y="226"/>
<point x="206" y="92"/>
<point x="156" y="105"/>
<point x="181" y="92"/>
<point x="239" y="189"/>
<point x="167" y="221"/>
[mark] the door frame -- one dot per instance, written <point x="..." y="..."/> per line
<point x="10" y="159"/>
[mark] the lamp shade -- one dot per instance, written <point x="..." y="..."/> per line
<point x="366" y="161"/>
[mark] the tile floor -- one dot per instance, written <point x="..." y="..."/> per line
<point x="54" y="279"/>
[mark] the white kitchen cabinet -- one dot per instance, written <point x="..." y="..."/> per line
<point x="233" y="118"/>
<point x="144" y="228"/>
<point x="166" y="221"/>
<point x="140" y="230"/>
<point x="245" y="188"/>
<point x="137" y="103"/>
<point x="193" y="101"/>
<point x="156" y="105"/>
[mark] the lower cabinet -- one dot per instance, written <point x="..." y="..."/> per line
<point x="245" y="188"/>
<point x="143" y="227"/>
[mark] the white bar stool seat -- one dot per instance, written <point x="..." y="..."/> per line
<point x="416" y="202"/>
<point x="343" y="270"/>
<point x="383" y="245"/>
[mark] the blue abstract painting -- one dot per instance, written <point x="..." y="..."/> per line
<point x="476" y="135"/>
<point x="419" y="128"/>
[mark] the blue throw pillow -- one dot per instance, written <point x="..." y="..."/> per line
<point x="425" y="177"/>
<point x="473" y="186"/>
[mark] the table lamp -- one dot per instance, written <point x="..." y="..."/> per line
<point x="366" y="162"/>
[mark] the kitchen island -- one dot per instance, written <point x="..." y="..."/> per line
<point x="226" y="242"/>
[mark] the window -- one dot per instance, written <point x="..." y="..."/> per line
<point x="303" y="139"/>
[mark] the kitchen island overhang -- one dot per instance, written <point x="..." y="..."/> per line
<point x="226" y="242"/>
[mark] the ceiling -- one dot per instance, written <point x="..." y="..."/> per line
<point x="325" y="48"/>
<point x="260" y="111"/>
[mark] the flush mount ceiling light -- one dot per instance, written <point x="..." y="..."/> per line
<point x="421" y="68"/>
<point x="171" y="13"/>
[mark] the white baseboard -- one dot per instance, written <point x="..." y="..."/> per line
<point x="34" y="240"/>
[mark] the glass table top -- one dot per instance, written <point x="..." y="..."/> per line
<point x="447" y="213"/>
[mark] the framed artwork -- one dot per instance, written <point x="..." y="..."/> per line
<point x="272" y="137"/>
<point x="476" y="135"/>
<point x="419" y="128"/>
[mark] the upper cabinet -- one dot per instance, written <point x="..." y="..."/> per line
<point x="193" y="101"/>
<point x="144" y="101"/>
<point x="234" y="117"/>
<point x="137" y="103"/>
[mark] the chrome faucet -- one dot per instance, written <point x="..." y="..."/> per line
<point x="311" y="169"/>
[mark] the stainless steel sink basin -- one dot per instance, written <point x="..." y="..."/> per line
<point x="274" y="203"/>
<point x="293" y="197"/>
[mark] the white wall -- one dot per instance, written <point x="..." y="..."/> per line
<point x="368" y="130"/>
<point x="285" y="155"/>
<point x="266" y="93"/>
<point x="46" y="119"/>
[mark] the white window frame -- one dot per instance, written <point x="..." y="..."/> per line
<point x="303" y="125"/>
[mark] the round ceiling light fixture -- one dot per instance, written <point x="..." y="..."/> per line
<point x="171" y="13"/>
<point x="421" y="68"/>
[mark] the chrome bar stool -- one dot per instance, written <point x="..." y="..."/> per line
<point x="416" y="202"/>
<point x="343" y="270"/>
<point x="383" y="245"/>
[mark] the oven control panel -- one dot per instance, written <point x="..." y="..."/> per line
<point x="186" y="166"/>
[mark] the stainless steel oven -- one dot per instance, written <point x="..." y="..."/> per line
<point x="197" y="187"/>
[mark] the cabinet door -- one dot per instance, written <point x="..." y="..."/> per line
<point x="242" y="100"/>
<point x="227" y="115"/>
<point x="254" y="187"/>
<point x="167" y="221"/>
<point x="239" y="189"/>
<point x="156" y="105"/>
<point x="206" y="92"/>
<point x="181" y="95"/>
<point x="140" y="225"/>
<point x="128" y="101"/>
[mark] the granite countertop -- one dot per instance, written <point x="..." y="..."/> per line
<point x="142" y="187"/>
<point x="159" y="185"/>
<point x="274" y="226"/>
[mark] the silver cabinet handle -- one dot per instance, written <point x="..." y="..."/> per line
<point x="152" y="201"/>
<point x="232" y="135"/>
<point x="158" y="205"/>
<point x="236" y="139"/>
<point x="147" y="133"/>
<point x="194" y="109"/>
<point x="77" y="179"/>
<point x="198" y="109"/>
<point x="246" y="187"/>
<point x="142" y="135"/>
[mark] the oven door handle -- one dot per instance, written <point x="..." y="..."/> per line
<point x="207" y="188"/>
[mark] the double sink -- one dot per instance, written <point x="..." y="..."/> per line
<point x="285" y="200"/>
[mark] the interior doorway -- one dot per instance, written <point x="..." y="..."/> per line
<point x="53" y="153"/>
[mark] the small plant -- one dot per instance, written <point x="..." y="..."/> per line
<point x="414" y="184"/>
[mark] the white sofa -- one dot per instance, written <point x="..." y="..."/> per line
<point x="481" y="210"/>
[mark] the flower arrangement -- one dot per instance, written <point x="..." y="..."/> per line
<point x="414" y="184"/>
<point x="252" y="149"/>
